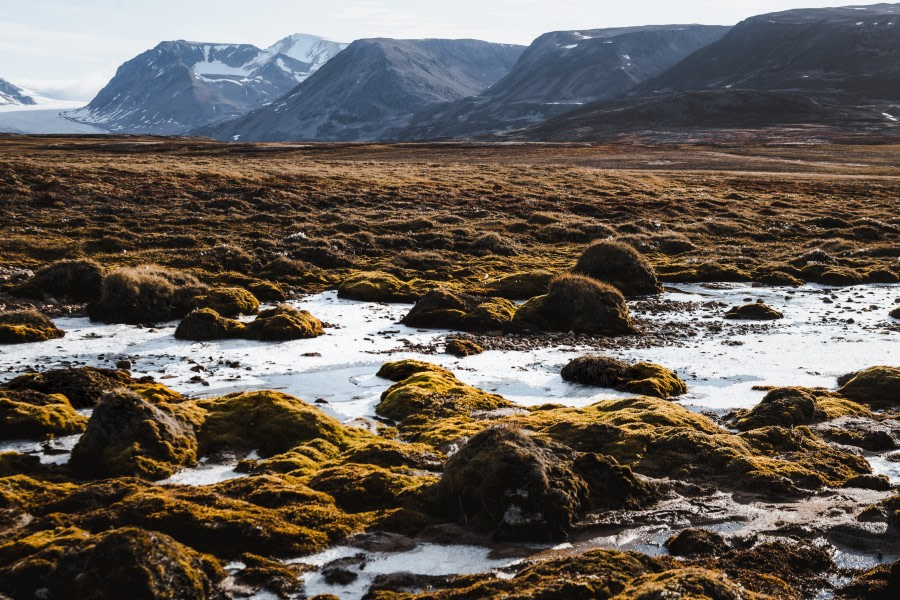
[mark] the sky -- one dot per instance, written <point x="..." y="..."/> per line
<point x="69" y="49"/>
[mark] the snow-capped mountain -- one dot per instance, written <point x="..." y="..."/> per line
<point x="560" y="71"/>
<point x="373" y="87"/>
<point x="181" y="85"/>
<point x="13" y="95"/>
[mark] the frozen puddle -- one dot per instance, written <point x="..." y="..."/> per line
<point x="811" y="346"/>
<point x="207" y="472"/>
<point x="424" y="559"/>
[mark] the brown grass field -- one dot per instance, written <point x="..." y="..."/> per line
<point x="454" y="213"/>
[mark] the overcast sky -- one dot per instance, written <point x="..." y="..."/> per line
<point x="69" y="49"/>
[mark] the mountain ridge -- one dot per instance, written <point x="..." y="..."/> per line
<point x="179" y="84"/>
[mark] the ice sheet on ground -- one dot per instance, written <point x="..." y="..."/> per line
<point x="425" y="559"/>
<point x="811" y="346"/>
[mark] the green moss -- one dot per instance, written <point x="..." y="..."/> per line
<point x="702" y="272"/>
<point x="126" y="435"/>
<point x="26" y="493"/>
<point x="494" y="314"/>
<point x="77" y="280"/>
<point x="435" y="394"/>
<point x="358" y="487"/>
<point x="756" y="311"/>
<point x="644" y="378"/>
<point x="797" y="455"/>
<point x="653" y="380"/>
<point x="128" y="562"/>
<point x="83" y="386"/>
<point x="521" y="286"/>
<point x="303" y="459"/>
<point x="514" y="486"/>
<point x="446" y="309"/>
<point x="26" y="326"/>
<point x="619" y="265"/>
<point x="206" y="324"/>
<point x="284" y="323"/>
<point x="696" y="542"/>
<point x="212" y="522"/>
<point x="145" y="294"/>
<point x="778" y="279"/>
<point x="579" y="304"/>
<point x="831" y="275"/>
<point x="664" y="439"/>
<point x="377" y="286"/>
<point x="275" y="576"/>
<point x="878" y="387"/>
<point x="28" y="414"/>
<point x="391" y="453"/>
<point x="404" y="369"/>
<point x="689" y="582"/>
<point x="462" y="347"/>
<point x="792" y="406"/>
<point x="266" y="291"/>
<point x="267" y="421"/>
<point x="228" y="301"/>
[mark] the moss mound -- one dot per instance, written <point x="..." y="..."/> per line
<point x="284" y="323"/>
<point x="26" y="326"/>
<point x="76" y="280"/>
<point x="228" y="301"/>
<point x="578" y="304"/>
<point x="878" y="583"/>
<point x="435" y="394"/>
<point x="689" y="582"/>
<point x="663" y="439"/>
<point x="126" y="435"/>
<point x="121" y="563"/>
<point x="404" y="369"/>
<point x="359" y="487"/>
<point x="271" y="516"/>
<point x="27" y="414"/>
<point x="83" y="386"/>
<point x="462" y="347"/>
<point x="144" y="294"/>
<point x="267" y="421"/>
<point x="594" y="370"/>
<point x="878" y="387"/>
<point x="692" y="542"/>
<point x="792" y="406"/>
<point x="756" y="311"/>
<point x="266" y="291"/>
<point x="391" y="453"/>
<point x="451" y="310"/>
<point x="651" y="379"/>
<point x="206" y="324"/>
<point x="376" y="286"/>
<point x="619" y="265"/>
<point x="514" y="486"/>
<point x="521" y="286"/>
<point x="778" y="279"/>
<point x="642" y="378"/>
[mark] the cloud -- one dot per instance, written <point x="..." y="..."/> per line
<point x="83" y="89"/>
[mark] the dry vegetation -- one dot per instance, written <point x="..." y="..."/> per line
<point x="308" y="216"/>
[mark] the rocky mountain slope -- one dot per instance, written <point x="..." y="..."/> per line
<point x="561" y="71"/>
<point x="181" y="85"/>
<point x="13" y="95"/>
<point x="374" y="87"/>
<point x="833" y="69"/>
<point x="852" y="50"/>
